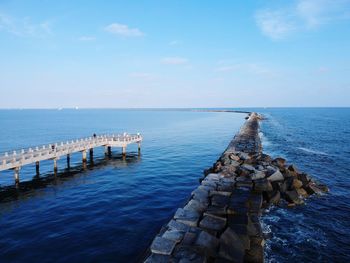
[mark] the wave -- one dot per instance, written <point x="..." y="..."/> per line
<point x="312" y="151"/>
<point x="265" y="142"/>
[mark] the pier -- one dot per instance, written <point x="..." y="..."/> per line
<point x="220" y="222"/>
<point x="16" y="159"/>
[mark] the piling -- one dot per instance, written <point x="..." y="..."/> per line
<point x="16" y="175"/>
<point x="37" y="168"/>
<point x="55" y="164"/>
<point x="84" y="156"/>
<point x="68" y="160"/>
<point x="16" y="159"/>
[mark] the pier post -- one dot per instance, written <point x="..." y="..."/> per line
<point x="108" y="150"/>
<point x="37" y="168"/>
<point x="124" y="150"/>
<point x="55" y="164"/>
<point x="84" y="156"/>
<point x="91" y="153"/>
<point x="139" y="147"/>
<point x="16" y="175"/>
<point x="68" y="160"/>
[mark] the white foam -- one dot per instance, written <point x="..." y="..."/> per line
<point x="265" y="142"/>
<point x="312" y="151"/>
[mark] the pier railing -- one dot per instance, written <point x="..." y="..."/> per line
<point x="16" y="159"/>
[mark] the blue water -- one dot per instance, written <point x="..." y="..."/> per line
<point x="112" y="211"/>
<point x="318" y="142"/>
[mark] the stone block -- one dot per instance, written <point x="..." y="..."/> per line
<point x="255" y="254"/>
<point x="257" y="175"/>
<point x="231" y="246"/>
<point x="220" y="200"/>
<point x="185" y="254"/>
<point x="293" y="197"/>
<point x="174" y="225"/>
<point x="276" y="177"/>
<point x="158" y="258"/>
<point x="189" y="238"/>
<point x="216" y="210"/>
<point x="196" y="206"/>
<point x="262" y="185"/>
<point x="224" y="193"/>
<point x="214" y="223"/>
<point x="250" y="168"/>
<point x="207" y="241"/>
<point x="162" y="246"/>
<point x="187" y="217"/>
<point x="174" y="235"/>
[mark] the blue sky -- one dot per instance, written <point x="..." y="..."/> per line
<point x="174" y="53"/>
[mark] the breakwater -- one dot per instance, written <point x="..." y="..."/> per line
<point x="221" y="220"/>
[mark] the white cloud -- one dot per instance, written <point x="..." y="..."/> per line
<point x="301" y="15"/>
<point x="87" y="38"/>
<point x="251" y="68"/>
<point x="142" y="76"/>
<point x="275" y="24"/>
<point x="318" y="12"/>
<point x="123" y="30"/>
<point x="323" y="69"/>
<point x="24" y="27"/>
<point x="175" y="43"/>
<point x="225" y="68"/>
<point x="174" y="61"/>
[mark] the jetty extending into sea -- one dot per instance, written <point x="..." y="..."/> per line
<point x="16" y="159"/>
<point x="221" y="220"/>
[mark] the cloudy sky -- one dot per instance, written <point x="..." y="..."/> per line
<point x="188" y="53"/>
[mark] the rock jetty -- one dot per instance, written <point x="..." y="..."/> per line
<point x="221" y="220"/>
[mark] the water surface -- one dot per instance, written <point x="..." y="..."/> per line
<point x="111" y="212"/>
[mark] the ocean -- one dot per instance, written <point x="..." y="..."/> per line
<point x="110" y="210"/>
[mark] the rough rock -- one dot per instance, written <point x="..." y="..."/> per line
<point x="261" y="185"/>
<point x="257" y="175"/>
<point x="297" y="183"/>
<point x="302" y="192"/>
<point x="248" y="167"/>
<point x="276" y="197"/>
<point x="293" y="168"/>
<point x="275" y="177"/>
<point x="293" y="197"/>
<point x="234" y="157"/>
<point x="280" y="162"/>
<point x="255" y="254"/>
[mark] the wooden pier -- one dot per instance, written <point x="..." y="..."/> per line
<point x="16" y="159"/>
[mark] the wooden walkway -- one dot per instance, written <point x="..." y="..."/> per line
<point x="16" y="159"/>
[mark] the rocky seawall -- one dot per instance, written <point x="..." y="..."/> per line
<point x="221" y="220"/>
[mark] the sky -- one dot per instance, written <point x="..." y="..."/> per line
<point x="176" y="53"/>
